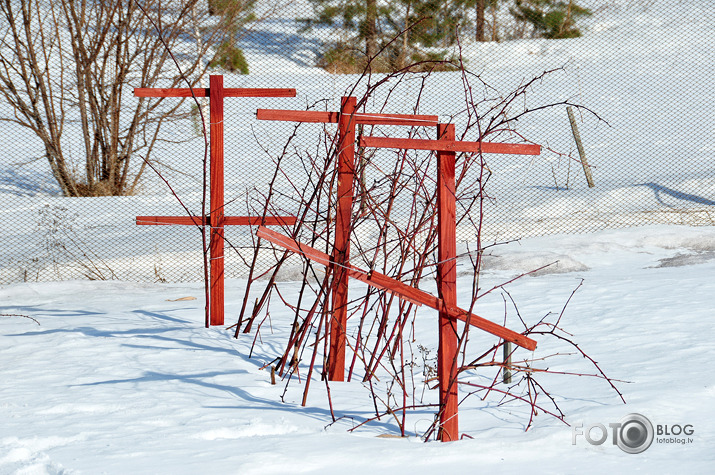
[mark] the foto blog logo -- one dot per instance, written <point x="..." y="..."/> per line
<point x="633" y="434"/>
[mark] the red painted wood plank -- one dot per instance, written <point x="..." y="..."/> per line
<point x="203" y="92"/>
<point x="341" y="246"/>
<point x="216" y="189"/>
<point x="451" y="146"/>
<point x="227" y="220"/>
<point x="293" y="246"/>
<point x="169" y="220"/>
<point x="396" y="119"/>
<point x="404" y="291"/>
<point x="170" y="92"/>
<point x="258" y="220"/>
<point x="333" y="117"/>
<point x="320" y="117"/>
<point x="447" y="351"/>
<point x="258" y="92"/>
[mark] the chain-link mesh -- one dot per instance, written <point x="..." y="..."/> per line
<point x="638" y="78"/>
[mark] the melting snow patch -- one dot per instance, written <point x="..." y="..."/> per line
<point x="680" y="259"/>
<point x="546" y="263"/>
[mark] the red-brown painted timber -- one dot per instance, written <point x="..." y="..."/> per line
<point x="341" y="248"/>
<point x="227" y="220"/>
<point x="358" y="117"/>
<point x="216" y="192"/>
<point x="400" y="289"/>
<point x="448" y="348"/>
<point x="203" y="92"/>
<point x="451" y="145"/>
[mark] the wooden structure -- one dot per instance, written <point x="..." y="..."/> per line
<point x="215" y="219"/>
<point x="449" y="313"/>
<point x="446" y="147"/>
<point x="401" y="290"/>
<point x="347" y="118"/>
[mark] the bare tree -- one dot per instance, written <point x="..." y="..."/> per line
<point x="69" y="64"/>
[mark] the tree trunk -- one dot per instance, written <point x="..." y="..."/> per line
<point x="495" y="24"/>
<point x="371" y="28"/>
<point x="480" y="20"/>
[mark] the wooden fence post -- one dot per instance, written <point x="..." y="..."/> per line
<point x="343" y="225"/>
<point x="447" y="351"/>
<point x="507" y="363"/>
<point x="579" y="146"/>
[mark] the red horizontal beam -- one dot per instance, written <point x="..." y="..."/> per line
<point x="204" y="92"/>
<point x="451" y="145"/>
<point x="318" y="117"/>
<point x="227" y="220"/>
<point x="323" y="117"/>
<point x="404" y="291"/>
<point x="258" y="92"/>
<point x="169" y="220"/>
<point x="396" y="119"/>
<point x="259" y="220"/>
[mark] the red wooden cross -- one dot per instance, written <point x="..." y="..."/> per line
<point x="346" y="119"/>
<point x="449" y="313"/>
<point x="446" y="147"/>
<point x="216" y="219"/>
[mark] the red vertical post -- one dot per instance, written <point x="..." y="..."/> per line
<point x="341" y="253"/>
<point x="447" y="288"/>
<point x="216" y="216"/>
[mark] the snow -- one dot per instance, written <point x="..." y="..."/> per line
<point x="120" y="377"/>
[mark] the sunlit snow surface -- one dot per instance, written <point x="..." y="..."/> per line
<point x="119" y="377"/>
<point x="122" y="378"/>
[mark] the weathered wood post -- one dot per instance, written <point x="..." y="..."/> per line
<point x="579" y="146"/>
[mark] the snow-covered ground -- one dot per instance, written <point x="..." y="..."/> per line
<point x="118" y="377"/>
<point x="121" y="377"/>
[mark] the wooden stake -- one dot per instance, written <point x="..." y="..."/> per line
<point x="579" y="146"/>
<point x="507" y="363"/>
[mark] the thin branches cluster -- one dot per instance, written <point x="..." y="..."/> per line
<point x="393" y="231"/>
<point x="64" y="65"/>
<point x="384" y="351"/>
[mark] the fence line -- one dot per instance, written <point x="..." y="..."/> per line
<point x="642" y="67"/>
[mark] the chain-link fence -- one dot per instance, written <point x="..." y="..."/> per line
<point x="638" y="76"/>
